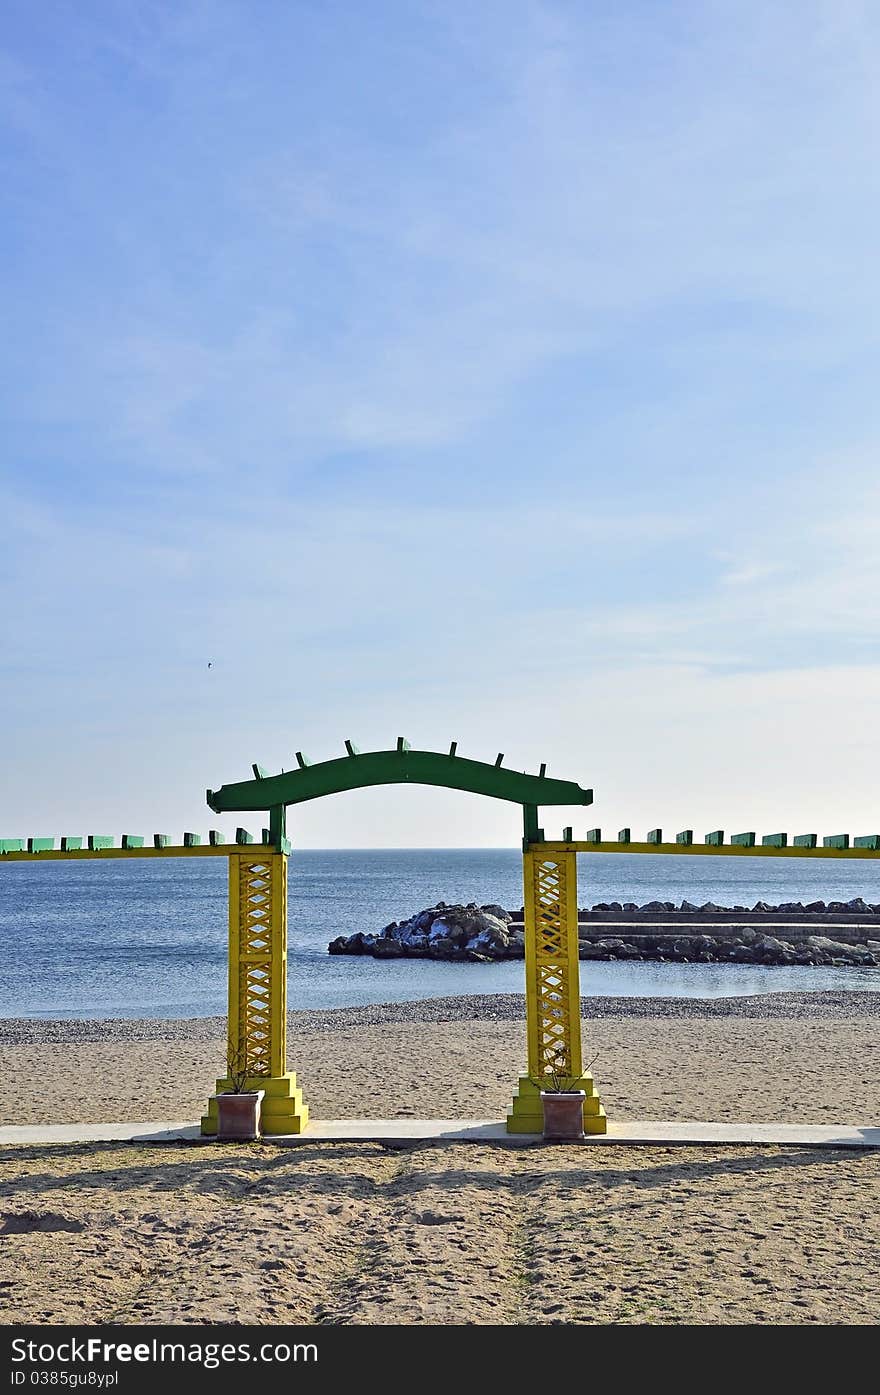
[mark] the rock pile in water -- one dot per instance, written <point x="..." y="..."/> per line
<point x="441" y="932"/>
<point x="487" y="933"/>
<point x="744" y="945"/>
<point x="857" y="906"/>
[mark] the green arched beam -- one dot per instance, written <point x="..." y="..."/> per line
<point x="401" y="766"/>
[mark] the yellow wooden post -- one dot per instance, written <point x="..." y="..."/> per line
<point x="257" y="1020"/>
<point x="553" y="1017"/>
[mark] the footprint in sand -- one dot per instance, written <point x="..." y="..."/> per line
<point x="27" y="1222"/>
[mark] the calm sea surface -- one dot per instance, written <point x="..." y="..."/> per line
<point x="134" y="938"/>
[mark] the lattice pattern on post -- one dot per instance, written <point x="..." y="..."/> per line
<point x="255" y="916"/>
<point x="554" y="1044"/>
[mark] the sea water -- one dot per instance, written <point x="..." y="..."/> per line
<point x="147" y="938"/>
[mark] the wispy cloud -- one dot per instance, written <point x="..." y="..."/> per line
<point x="544" y="219"/>
<point x="513" y="363"/>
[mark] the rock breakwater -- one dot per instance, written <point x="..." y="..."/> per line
<point x="810" y="934"/>
<point x="442" y="932"/>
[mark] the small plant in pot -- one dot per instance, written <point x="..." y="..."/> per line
<point x="563" y="1104"/>
<point x="238" y="1109"/>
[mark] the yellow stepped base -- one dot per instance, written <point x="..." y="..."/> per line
<point x="282" y="1112"/>
<point x="527" y="1113"/>
<point x="524" y="1123"/>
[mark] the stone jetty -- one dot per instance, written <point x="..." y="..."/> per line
<point x="834" y="932"/>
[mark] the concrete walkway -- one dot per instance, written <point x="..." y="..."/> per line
<point x="404" y="1131"/>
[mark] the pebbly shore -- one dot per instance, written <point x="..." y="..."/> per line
<point x="484" y="1007"/>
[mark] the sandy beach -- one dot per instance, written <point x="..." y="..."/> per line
<point x="454" y="1233"/>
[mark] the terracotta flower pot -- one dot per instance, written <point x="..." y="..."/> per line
<point x="238" y="1116"/>
<point x="563" y="1115"/>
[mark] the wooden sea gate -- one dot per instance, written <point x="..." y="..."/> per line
<point x="257" y="982"/>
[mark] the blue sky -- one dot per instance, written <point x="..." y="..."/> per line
<point x="504" y="372"/>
